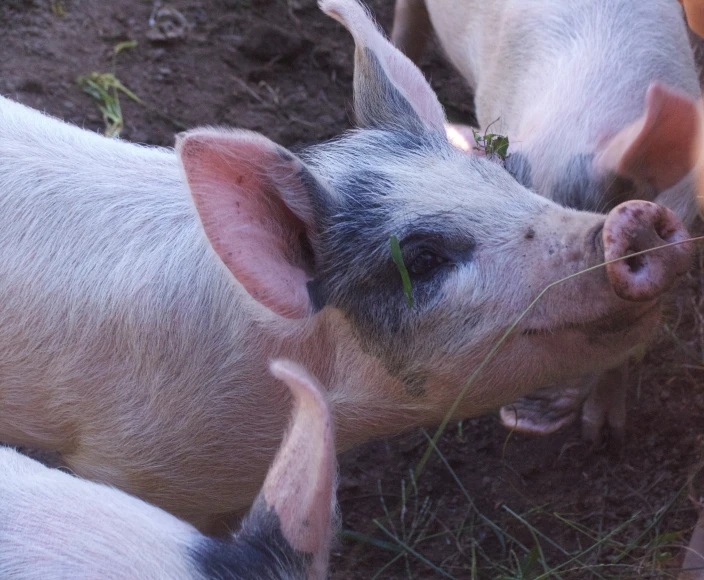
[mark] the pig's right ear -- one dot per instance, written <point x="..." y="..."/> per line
<point x="658" y="148"/>
<point x="254" y="201"/>
<point x="299" y="488"/>
<point x="389" y="90"/>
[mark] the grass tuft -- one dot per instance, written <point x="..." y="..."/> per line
<point x="106" y="88"/>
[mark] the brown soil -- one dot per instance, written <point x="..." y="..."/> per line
<point x="282" y="68"/>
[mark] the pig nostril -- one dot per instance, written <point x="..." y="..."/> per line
<point x="635" y="264"/>
<point x="664" y="228"/>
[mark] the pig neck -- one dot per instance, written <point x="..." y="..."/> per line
<point x="366" y="400"/>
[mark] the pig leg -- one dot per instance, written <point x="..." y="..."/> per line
<point x="693" y="565"/>
<point x="411" y="29"/>
<point x="549" y="409"/>
<point x="600" y="400"/>
<point x="605" y="408"/>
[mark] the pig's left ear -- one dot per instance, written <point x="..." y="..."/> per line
<point x="255" y="201"/>
<point x="658" y="148"/>
<point x="389" y="90"/>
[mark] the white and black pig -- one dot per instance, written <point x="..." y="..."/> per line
<point x="595" y="97"/>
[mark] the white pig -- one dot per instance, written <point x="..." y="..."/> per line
<point x="54" y="525"/>
<point x="583" y="89"/>
<point x="142" y="291"/>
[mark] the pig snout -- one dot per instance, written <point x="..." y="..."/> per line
<point x="635" y="226"/>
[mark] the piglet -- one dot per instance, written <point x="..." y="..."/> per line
<point x="595" y="98"/>
<point x="54" y="525"/>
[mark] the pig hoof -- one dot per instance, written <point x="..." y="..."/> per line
<point x="604" y="410"/>
<point x="607" y="439"/>
<point x="602" y="428"/>
<point x="543" y="413"/>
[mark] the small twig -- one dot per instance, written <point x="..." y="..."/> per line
<point x="248" y="89"/>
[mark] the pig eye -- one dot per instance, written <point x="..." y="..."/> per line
<point x="425" y="262"/>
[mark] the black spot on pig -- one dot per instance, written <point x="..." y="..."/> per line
<point x="307" y="257"/>
<point x="364" y="186"/>
<point x="403" y="141"/>
<point x="580" y="188"/>
<point x="258" y="552"/>
<point x="317" y="194"/>
<point x="317" y="295"/>
<point x="355" y="272"/>
<point x="518" y="165"/>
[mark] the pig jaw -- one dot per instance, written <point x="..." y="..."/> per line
<point x="382" y="404"/>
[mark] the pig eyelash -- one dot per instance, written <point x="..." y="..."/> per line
<point x="425" y="263"/>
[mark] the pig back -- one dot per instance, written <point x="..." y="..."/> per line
<point x="121" y="333"/>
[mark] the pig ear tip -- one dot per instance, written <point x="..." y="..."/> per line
<point x="302" y="384"/>
<point x="287" y="371"/>
<point x="332" y="7"/>
<point x="278" y="366"/>
<point x="656" y="90"/>
<point x="189" y="137"/>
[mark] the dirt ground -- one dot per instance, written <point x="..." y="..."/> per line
<point x="502" y="502"/>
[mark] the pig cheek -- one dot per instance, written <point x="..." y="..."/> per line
<point x="517" y="369"/>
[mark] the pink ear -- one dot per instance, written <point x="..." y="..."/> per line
<point x="299" y="485"/>
<point x="658" y="147"/>
<point x="244" y="187"/>
<point x="404" y="75"/>
<point x="462" y="137"/>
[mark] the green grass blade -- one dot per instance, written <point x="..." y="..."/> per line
<point x="397" y="257"/>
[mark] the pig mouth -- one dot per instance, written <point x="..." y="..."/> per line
<point x="612" y="323"/>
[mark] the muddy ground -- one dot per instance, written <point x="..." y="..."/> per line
<point x="282" y="68"/>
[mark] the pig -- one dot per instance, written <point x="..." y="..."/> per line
<point x="693" y="563"/>
<point x="142" y="290"/>
<point x="54" y="525"/>
<point x="581" y="88"/>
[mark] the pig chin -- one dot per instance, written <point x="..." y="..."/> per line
<point x="608" y="337"/>
<point x="621" y="328"/>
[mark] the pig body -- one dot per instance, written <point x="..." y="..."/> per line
<point x="567" y="82"/>
<point x="54" y="525"/>
<point x="139" y="354"/>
